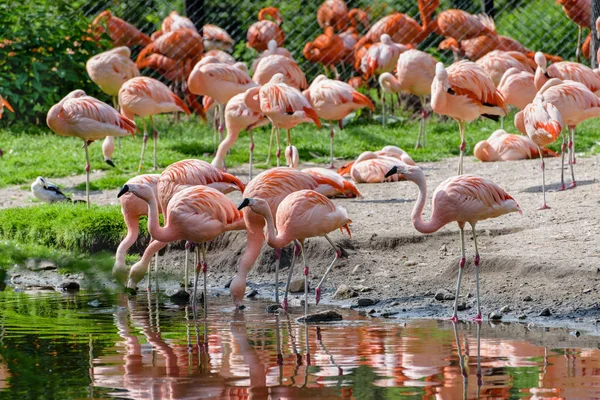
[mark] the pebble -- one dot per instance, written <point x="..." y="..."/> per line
<point x="410" y="263"/>
<point x="449" y="296"/>
<point x="440" y="295"/>
<point x="586" y="291"/>
<point x="545" y="312"/>
<point x="522" y="317"/>
<point x="323" y="316"/>
<point x="356" y="269"/>
<point x="297" y="286"/>
<point x="252" y="293"/>
<point x="575" y="333"/>
<point x="69" y="286"/>
<point x="444" y="249"/>
<point x="462" y="306"/>
<point x="39" y="265"/>
<point x="272" y="308"/>
<point x="494" y="316"/>
<point x="388" y="313"/>
<point x="505" y="310"/>
<point x="527" y="298"/>
<point x="344" y="292"/>
<point x="365" y="302"/>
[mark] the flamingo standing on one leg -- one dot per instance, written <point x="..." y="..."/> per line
<point x="333" y="100"/>
<point x="543" y="123"/>
<point x="272" y="186"/>
<point x="301" y="215"/>
<point x="464" y="92"/>
<point x="89" y="119"/>
<point x="198" y="214"/>
<point x="463" y="198"/>
<point x="284" y="105"/>
<point x="415" y="72"/>
<point x="146" y="97"/>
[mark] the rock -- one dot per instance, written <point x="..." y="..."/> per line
<point x="522" y="317"/>
<point x="297" y="286"/>
<point x="272" y="308"/>
<point x="462" y="306"/>
<point x="444" y="249"/>
<point x="388" y="313"/>
<point x="545" y="312"/>
<point x="228" y="284"/>
<point x="575" y="333"/>
<point x="449" y="296"/>
<point x="440" y="295"/>
<point x="178" y="296"/>
<point x="39" y="265"/>
<point x="527" y="298"/>
<point x="344" y="292"/>
<point x="69" y="286"/>
<point x="365" y="302"/>
<point x="252" y="293"/>
<point x="361" y="288"/>
<point x="323" y="316"/>
<point x="495" y="316"/>
<point x="505" y="310"/>
<point x="410" y="263"/>
<point x="586" y="291"/>
<point x="94" y="303"/>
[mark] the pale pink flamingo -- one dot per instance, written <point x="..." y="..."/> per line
<point x="89" y="119"/>
<point x="517" y="87"/>
<point x="222" y="56"/>
<point x="220" y="82"/>
<point x="565" y="70"/>
<point x="463" y="198"/>
<point x="504" y="146"/>
<point x="273" y="186"/>
<point x="333" y="100"/>
<point x="145" y="97"/>
<point x="238" y="117"/>
<point x="301" y="215"/>
<point x="292" y="156"/>
<point x="497" y="62"/>
<point x="274" y="64"/>
<point x="576" y="103"/>
<point x="350" y="189"/>
<point x="464" y="92"/>
<point x="197" y="214"/>
<point x="272" y="49"/>
<point x="543" y="124"/>
<point x="284" y="105"/>
<point x="371" y="168"/>
<point x="216" y="38"/>
<point x="415" y="72"/>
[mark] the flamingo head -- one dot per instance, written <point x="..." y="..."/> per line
<point x="237" y="290"/>
<point x="120" y="272"/>
<point x="481" y="151"/>
<point x="540" y="60"/>
<point x="386" y="39"/>
<point x="410" y="172"/>
<point x="142" y="191"/>
<point x="277" y="78"/>
<point x="598" y="28"/>
<point x="272" y="46"/>
<point x="257" y="205"/>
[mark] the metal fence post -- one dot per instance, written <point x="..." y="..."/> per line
<point x="595" y="42"/>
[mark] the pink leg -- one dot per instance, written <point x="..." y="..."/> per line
<point x="461" y="266"/>
<point x="331" y="134"/>
<point x="544" y="205"/>
<point x="563" y="149"/>
<point x="476" y="262"/>
<point x="573" y="183"/>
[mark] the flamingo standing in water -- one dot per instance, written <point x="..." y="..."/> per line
<point x="284" y="105"/>
<point x="503" y="146"/>
<point x="198" y="214"/>
<point x="464" y="92"/>
<point x="415" y="72"/>
<point x="89" y="119"/>
<point x="272" y="186"/>
<point x="301" y="215"/>
<point x="145" y="96"/>
<point x="543" y="124"/>
<point x="463" y="198"/>
<point x="333" y="100"/>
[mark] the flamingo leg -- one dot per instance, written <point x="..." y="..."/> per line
<point x="461" y="361"/>
<point x="392" y="110"/>
<point x="335" y="72"/>
<point x="476" y="262"/>
<point x="462" y="147"/>
<point x="204" y="270"/>
<point x="116" y="106"/>
<point x="578" y="50"/>
<point x="571" y="147"/>
<point x="277" y="265"/>
<point x="461" y="266"/>
<point x="278" y="154"/>
<point x="383" y="108"/>
<point x="295" y="253"/>
<point x="87" y="173"/>
<point x="251" y="154"/>
<point x="338" y="254"/>
<point x="563" y="148"/>
<point x="289" y="137"/>
<point x="198" y="266"/>
<point x="270" y="144"/>
<point x="221" y="121"/>
<point x="544" y="206"/>
<point x="215" y="124"/>
<point x="331" y="135"/>
<point x="156" y="271"/>
<point x="502" y="122"/>
<point x="155" y="136"/>
<point x="422" y="127"/>
<point x="144" y="141"/>
<point x="305" y="279"/>
<point x="479" y="376"/>
<point x="186" y="275"/>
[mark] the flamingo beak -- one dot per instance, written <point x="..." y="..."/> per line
<point x="392" y="171"/>
<point x="245" y="202"/>
<point x="123" y="190"/>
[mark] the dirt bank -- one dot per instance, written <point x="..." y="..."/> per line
<point x="542" y="259"/>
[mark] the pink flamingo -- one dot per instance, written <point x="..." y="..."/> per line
<point x="292" y="156"/>
<point x="89" y="119"/>
<point x="145" y="97"/>
<point x="576" y="103"/>
<point x="272" y="49"/>
<point x="503" y="146"/>
<point x="387" y="151"/>
<point x="497" y="62"/>
<point x="415" y="72"/>
<point x="273" y="186"/>
<point x="565" y="70"/>
<point x="333" y="100"/>
<point x="220" y="55"/>
<point x="350" y="189"/>
<point x="464" y="92"/>
<point x="284" y="105"/>
<point x="216" y="38"/>
<point x="517" y="87"/>
<point x="109" y="70"/>
<point x="370" y="167"/>
<point x="543" y="124"/>
<point x="301" y="215"/>
<point x="238" y="117"/>
<point x="273" y="64"/>
<point x="463" y="198"/>
<point x="198" y="214"/>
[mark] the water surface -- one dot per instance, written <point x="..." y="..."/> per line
<point x="113" y="346"/>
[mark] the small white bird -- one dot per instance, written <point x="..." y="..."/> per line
<point x="47" y="191"/>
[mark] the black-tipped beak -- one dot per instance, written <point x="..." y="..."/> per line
<point x="124" y="190"/>
<point x="392" y="171"/>
<point x="245" y="202"/>
<point x="110" y="162"/>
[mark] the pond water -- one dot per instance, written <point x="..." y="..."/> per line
<point x="57" y="346"/>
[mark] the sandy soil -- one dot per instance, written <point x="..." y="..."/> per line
<point x="550" y="256"/>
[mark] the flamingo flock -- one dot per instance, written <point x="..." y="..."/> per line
<point x="284" y="206"/>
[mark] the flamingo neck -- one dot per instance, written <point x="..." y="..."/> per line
<point x="156" y="231"/>
<point x="273" y="239"/>
<point x="417" y="212"/>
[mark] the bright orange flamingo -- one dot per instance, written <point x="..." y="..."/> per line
<point x="109" y="70"/>
<point x="284" y="105"/>
<point x="261" y="32"/>
<point x="333" y="100"/>
<point x="370" y="171"/>
<point x="517" y="88"/>
<point x="121" y="32"/>
<point x="463" y="198"/>
<point x="332" y="13"/>
<point x="238" y="117"/>
<point x="565" y="70"/>
<point x="415" y="72"/>
<point x="89" y="119"/>
<point x="145" y="97"/>
<point x="198" y="214"/>
<point x="301" y="215"/>
<point x="175" y="21"/>
<point x="578" y="11"/>
<point x="543" y="124"/>
<point x="464" y="92"/>
<point x="275" y="63"/>
<point x="4" y="103"/>
<point x="272" y="186"/>
<point x="504" y="146"/>
<point x="328" y="49"/>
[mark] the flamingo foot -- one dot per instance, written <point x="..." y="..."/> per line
<point x="331" y="166"/>
<point x="285" y="305"/>
<point x="477" y="318"/>
<point x="317" y="295"/>
<point x="572" y="185"/>
<point x="544" y="207"/>
<point x="562" y="188"/>
<point x="454" y="318"/>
